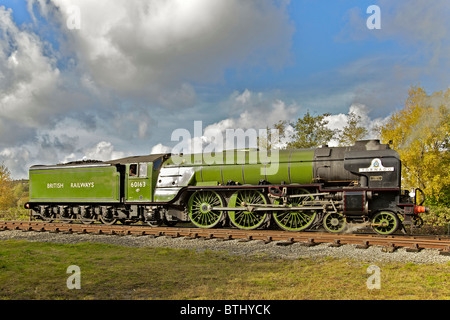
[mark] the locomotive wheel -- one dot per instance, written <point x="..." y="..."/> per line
<point x="199" y="208"/>
<point x="247" y="219"/>
<point x="385" y="222"/>
<point x="294" y="220"/>
<point x="334" y="222"/>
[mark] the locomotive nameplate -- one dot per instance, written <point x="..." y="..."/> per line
<point x="376" y="166"/>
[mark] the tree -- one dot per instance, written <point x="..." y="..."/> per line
<point x="20" y="192"/>
<point x="311" y="131"/>
<point x="352" y="132"/>
<point x="6" y="190"/>
<point x="421" y="134"/>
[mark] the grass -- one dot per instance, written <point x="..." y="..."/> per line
<point x="31" y="270"/>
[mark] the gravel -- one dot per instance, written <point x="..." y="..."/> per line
<point x="255" y="247"/>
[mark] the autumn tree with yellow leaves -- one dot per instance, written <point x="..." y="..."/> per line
<point x="420" y="132"/>
<point x="6" y="190"/>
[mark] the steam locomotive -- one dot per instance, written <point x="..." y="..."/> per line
<point x="304" y="189"/>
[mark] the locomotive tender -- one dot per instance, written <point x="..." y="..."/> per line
<point x="331" y="187"/>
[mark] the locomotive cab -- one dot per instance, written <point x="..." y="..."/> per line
<point x="139" y="176"/>
<point x="138" y="182"/>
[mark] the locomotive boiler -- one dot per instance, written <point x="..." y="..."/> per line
<point x="329" y="187"/>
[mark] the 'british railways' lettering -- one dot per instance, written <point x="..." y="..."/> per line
<point x="56" y="185"/>
<point x="59" y="185"/>
<point x="82" y="185"/>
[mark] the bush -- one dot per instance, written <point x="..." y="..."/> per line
<point x="15" y="214"/>
<point x="438" y="216"/>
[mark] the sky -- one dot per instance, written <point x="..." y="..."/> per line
<point x="105" y="79"/>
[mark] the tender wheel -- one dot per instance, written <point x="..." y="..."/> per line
<point x="247" y="219"/>
<point x="86" y="216"/>
<point x="334" y="222"/>
<point x="200" y="209"/>
<point x="294" y="220"/>
<point x="155" y="223"/>
<point x="108" y="220"/>
<point x="46" y="214"/>
<point x="385" y="222"/>
<point x="169" y="223"/>
<point x="107" y="216"/>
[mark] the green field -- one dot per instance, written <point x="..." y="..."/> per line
<point x="31" y="270"/>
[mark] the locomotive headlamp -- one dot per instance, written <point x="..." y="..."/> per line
<point x="421" y="209"/>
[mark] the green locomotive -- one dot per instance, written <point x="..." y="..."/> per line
<point x="296" y="189"/>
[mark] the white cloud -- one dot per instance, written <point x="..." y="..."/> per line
<point x="28" y="91"/>
<point x="339" y="121"/>
<point x="258" y="111"/>
<point x="420" y="26"/>
<point x="64" y="90"/>
<point x="104" y="151"/>
<point x="154" y="49"/>
<point x="15" y="159"/>
<point x="160" y="148"/>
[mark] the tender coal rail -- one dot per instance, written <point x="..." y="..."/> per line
<point x="389" y="243"/>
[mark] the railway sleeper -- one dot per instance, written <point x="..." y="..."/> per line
<point x="414" y="248"/>
<point x="445" y="251"/>
<point x="389" y="248"/>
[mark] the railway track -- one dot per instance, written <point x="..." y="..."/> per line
<point x="389" y="243"/>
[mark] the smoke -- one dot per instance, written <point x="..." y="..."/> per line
<point x="433" y="111"/>
<point x="354" y="227"/>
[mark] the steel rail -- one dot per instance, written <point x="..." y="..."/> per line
<point x="389" y="243"/>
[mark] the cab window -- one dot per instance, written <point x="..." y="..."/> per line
<point x="133" y="170"/>
<point x="157" y="164"/>
<point x="142" y="170"/>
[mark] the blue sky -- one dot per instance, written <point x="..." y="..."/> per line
<point x="131" y="72"/>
